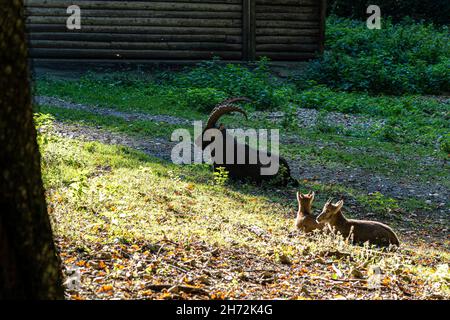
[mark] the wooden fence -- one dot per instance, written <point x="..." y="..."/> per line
<point x="287" y="30"/>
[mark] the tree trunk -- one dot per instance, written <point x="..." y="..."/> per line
<point x="29" y="267"/>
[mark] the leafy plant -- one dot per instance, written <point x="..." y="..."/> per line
<point x="290" y="120"/>
<point x="43" y="123"/>
<point x="436" y="11"/>
<point x="220" y="176"/>
<point x="400" y="58"/>
<point x="203" y="99"/>
<point x="379" y="203"/>
<point x="444" y="143"/>
<point x="233" y="80"/>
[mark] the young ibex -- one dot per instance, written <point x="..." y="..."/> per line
<point x="245" y="170"/>
<point x="362" y="230"/>
<point x="306" y="221"/>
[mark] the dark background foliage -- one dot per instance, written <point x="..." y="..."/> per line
<point x="436" y="11"/>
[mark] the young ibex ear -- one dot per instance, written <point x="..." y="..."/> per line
<point x="299" y="196"/>
<point x="339" y="205"/>
<point x="313" y="194"/>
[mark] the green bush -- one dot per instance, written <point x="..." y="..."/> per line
<point x="203" y="99"/>
<point x="445" y="143"/>
<point x="436" y="11"/>
<point x="235" y="81"/>
<point x="398" y="59"/>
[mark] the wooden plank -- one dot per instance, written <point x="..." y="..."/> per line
<point x="252" y="31"/>
<point x="92" y="64"/>
<point x="287" y="24"/>
<point x="61" y="12"/>
<point x="130" y="54"/>
<point x="98" y="37"/>
<point x="287" y="56"/>
<point x="288" y="16"/>
<point x="201" y="46"/>
<point x="103" y="21"/>
<point x="286" y="47"/>
<point x="322" y="21"/>
<point x="285" y="9"/>
<point x="248" y="29"/>
<point x="283" y="39"/>
<point x="287" y="32"/>
<point x="138" y="5"/>
<point x="137" y="30"/>
<point x="288" y="2"/>
<point x="130" y="2"/>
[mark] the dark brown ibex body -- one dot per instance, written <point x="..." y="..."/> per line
<point x="240" y="171"/>
<point x="306" y="221"/>
<point x="361" y="230"/>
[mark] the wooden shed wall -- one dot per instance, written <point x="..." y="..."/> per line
<point x="288" y="29"/>
<point x="176" y="29"/>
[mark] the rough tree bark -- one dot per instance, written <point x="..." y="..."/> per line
<point x="29" y="267"/>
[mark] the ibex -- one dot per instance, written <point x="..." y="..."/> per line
<point x="246" y="170"/>
<point x="362" y="230"/>
<point x="306" y="221"/>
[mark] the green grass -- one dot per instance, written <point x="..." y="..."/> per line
<point x="105" y="200"/>
<point x="101" y="195"/>
<point x="385" y="158"/>
<point x="139" y="93"/>
<point x="408" y="119"/>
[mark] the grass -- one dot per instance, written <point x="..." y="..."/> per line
<point x="383" y="157"/>
<point x="107" y="200"/>
<point x="137" y="226"/>
<point x="108" y="203"/>
<point x="407" y="119"/>
<point x="359" y="149"/>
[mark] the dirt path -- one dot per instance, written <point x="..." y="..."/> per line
<point x="157" y="147"/>
<point x="128" y="116"/>
<point x="306" y="117"/>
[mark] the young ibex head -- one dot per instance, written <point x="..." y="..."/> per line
<point x="329" y="211"/>
<point x="305" y="202"/>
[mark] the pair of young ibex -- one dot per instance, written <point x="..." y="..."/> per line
<point x="362" y="231"/>
<point x="331" y="216"/>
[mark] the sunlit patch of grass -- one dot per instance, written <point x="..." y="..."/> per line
<point x="102" y="194"/>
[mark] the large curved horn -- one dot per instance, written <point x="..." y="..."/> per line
<point x="223" y="109"/>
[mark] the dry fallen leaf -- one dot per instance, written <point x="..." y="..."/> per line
<point x="105" y="288"/>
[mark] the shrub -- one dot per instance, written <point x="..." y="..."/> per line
<point x="235" y="80"/>
<point x="221" y="176"/>
<point x="203" y="99"/>
<point x="398" y="59"/>
<point x="436" y="11"/>
<point x="445" y="143"/>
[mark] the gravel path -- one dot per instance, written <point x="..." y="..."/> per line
<point x="309" y="118"/>
<point x="129" y="116"/>
<point x="157" y="147"/>
<point x="306" y="117"/>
